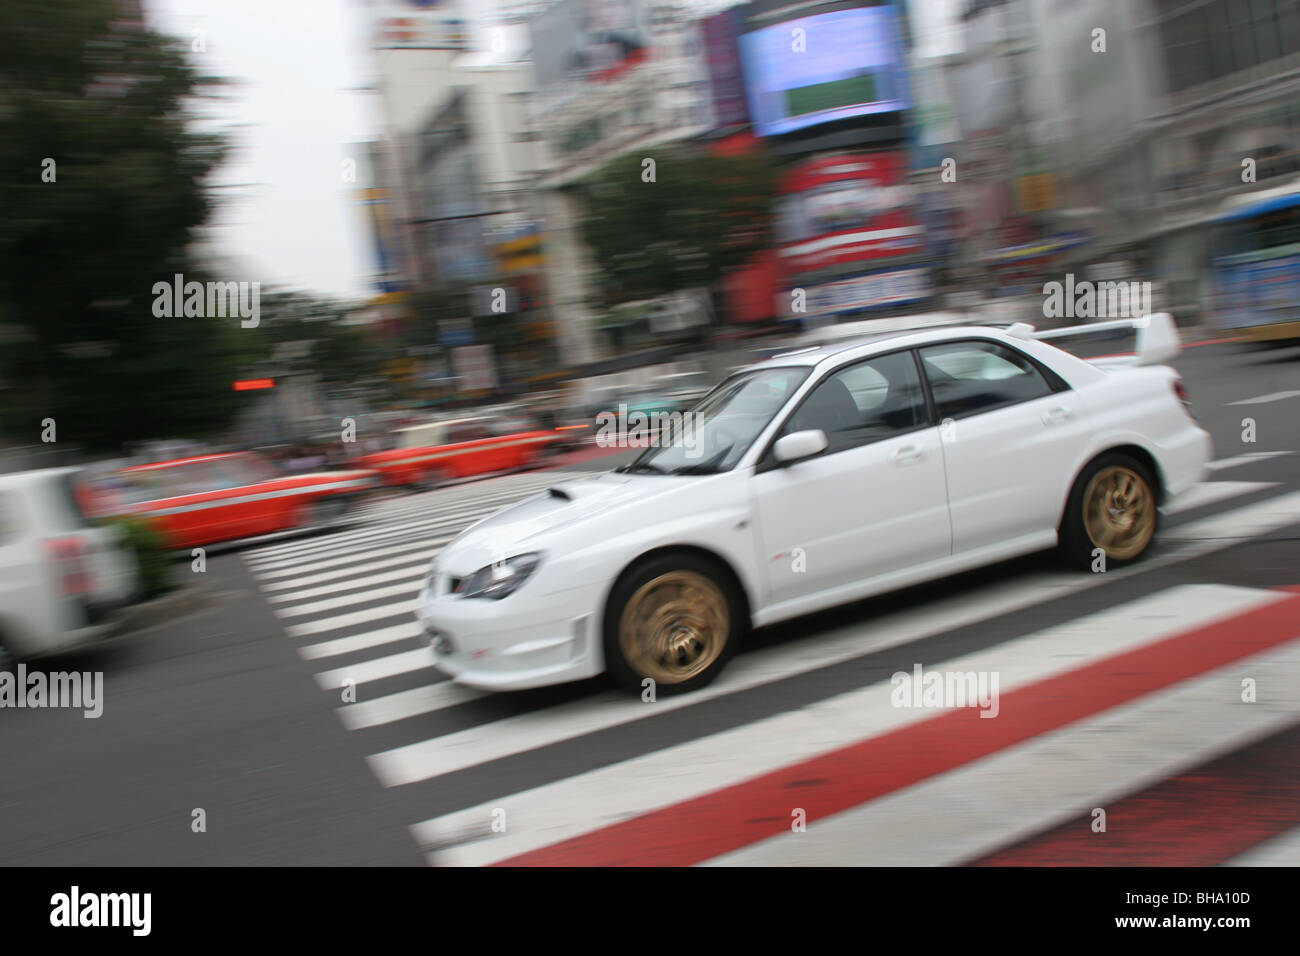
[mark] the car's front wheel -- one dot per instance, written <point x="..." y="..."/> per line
<point x="1112" y="509"/>
<point x="675" y="620"/>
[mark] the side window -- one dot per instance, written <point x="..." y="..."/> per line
<point x="863" y="403"/>
<point x="194" y="478"/>
<point x="971" y="377"/>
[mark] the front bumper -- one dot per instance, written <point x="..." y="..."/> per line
<point x="519" y="642"/>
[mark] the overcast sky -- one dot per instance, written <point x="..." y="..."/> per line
<point x="288" y="216"/>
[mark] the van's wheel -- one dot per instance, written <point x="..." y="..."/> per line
<point x="676" y="619"/>
<point x="1112" y="506"/>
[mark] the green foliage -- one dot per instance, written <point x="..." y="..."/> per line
<point x="703" y="214"/>
<point x="79" y="255"/>
<point x="152" y="561"/>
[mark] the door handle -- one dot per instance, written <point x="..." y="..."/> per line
<point x="907" y="454"/>
<point x="1056" y="415"/>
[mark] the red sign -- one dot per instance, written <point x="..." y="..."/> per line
<point x="846" y="207"/>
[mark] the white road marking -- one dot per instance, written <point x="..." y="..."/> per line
<point x="1047" y="780"/>
<point x="1266" y="399"/>
<point x="308" y="628"/>
<point x="410" y="587"/>
<point x="1245" y="459"/>
<point x="376" y="669"/>
<point x="407" y="703"/>
<point x="1210" y="492"/>
<point x="1282" y="850"/>
<point x="579" y="804"/>
<point x="359" y="642"/>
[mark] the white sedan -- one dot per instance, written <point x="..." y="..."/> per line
<point x="812" y="479"/>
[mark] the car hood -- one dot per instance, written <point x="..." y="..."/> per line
<point x="565" y="504"/>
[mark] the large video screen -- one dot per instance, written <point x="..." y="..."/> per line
<point x="822" y="68"/>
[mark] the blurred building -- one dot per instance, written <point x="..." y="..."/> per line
<point x="1104" y="137"/>
<point x="611" y="77"/>
<point x="453" y="79"/>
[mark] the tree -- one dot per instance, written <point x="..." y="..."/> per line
<point x="101" y="187"/>
<point x="701" y="215"/>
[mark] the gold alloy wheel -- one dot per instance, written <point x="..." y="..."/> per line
<point x="674" y="627"/>
<point x="1119" y="512"/>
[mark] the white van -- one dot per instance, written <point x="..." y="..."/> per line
<point x="63" y="580"/>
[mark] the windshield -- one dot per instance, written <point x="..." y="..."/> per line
<point x="716" y="433"/>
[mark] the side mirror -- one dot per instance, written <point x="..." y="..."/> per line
<point x="799" y="445"/>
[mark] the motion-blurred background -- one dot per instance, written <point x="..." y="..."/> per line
<point x="570" y="203"/>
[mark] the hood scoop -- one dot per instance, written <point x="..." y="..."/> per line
<point x="555" y="491"/>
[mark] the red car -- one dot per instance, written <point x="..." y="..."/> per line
<point x="212" y="498"/>
<point x="428" y="454"/>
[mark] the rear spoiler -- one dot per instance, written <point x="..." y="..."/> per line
<point x="1157" y="337"/>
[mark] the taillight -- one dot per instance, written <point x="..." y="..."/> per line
<point x="1180" y="390"/>
<point x="70" y="565"/>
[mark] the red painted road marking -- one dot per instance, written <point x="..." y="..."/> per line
<point x="1201" y="817"/>
<point x="738" y="816"/>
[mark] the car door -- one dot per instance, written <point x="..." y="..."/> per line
<point x="1010" y="429"/>
<point x="872" y="503"/>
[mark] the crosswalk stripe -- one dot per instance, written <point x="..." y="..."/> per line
<point x="728" y="820"/>
<point x="341" y="621"/>
<point x="1212" y="492"/>
<point x="372" y="670"/>
<point x="359" y="642"/>
<point x="410" y="586"/>
<point x="404" y="704"/>
<point x="587" y="802"/>
<point x="410" y="571"/>
<point x="348" y="560"/>
<point x="1238" y="460"/>
<point x="1282" y="850"/>
<point x="450" y="512"/>
<point x="349" y="571"/>
<point x="1047" y="780"/>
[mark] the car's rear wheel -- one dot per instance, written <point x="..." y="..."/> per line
<point x="675" y="620"/>
<point x="1112" y="507"/>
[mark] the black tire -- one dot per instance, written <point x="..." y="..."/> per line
<point x="1077" y="541"/>
<point x="701" y="635"/>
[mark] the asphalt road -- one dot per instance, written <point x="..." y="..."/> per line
<point x="237" y="709"/>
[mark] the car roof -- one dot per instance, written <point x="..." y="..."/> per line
<point x="37" y="474"/>
<point x="184" y="461"/>
<point x="861" y="346"/>
<point x="445" y="421"/>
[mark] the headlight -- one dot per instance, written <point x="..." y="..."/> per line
<point x="500" y="579"/>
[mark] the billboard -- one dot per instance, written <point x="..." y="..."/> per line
<point x="823" y="68"/>
<point x="844" y="208"/>
<point x="578" y="41"/>
<point x="420" y="25"/>
<point x="722" y="58"/>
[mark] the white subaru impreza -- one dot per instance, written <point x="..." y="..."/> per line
<point x="813" y="479"/>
